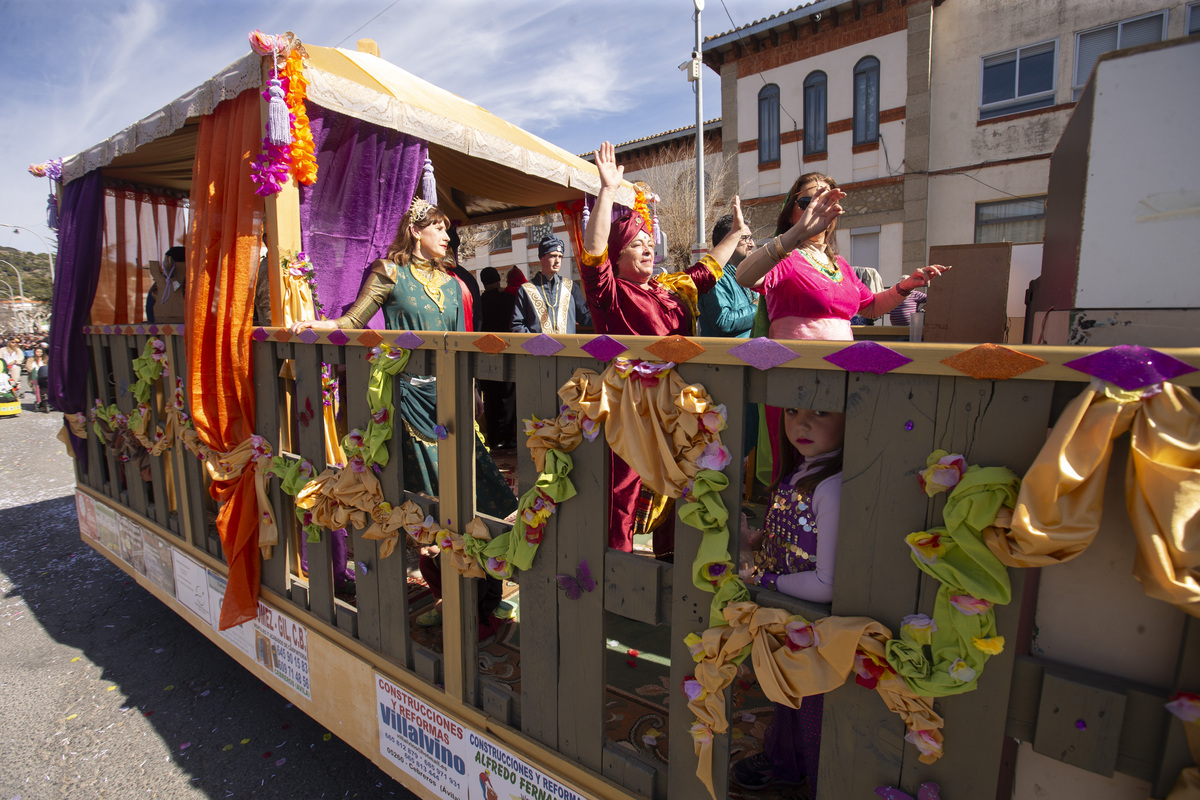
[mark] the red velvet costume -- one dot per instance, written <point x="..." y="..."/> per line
<point x="618" y="307"/>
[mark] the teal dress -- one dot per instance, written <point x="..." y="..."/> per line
<point x="416" y="297"/>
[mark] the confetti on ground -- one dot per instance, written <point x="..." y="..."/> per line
<point x="267" y="754"/>
<point x="245" y="741"/>
<point x="631" y="662"/>
<point x="185" y="745"/>
<point x="73" y="716"/>
<point x="169" y="688"/>
<point x="76" y="658"/>
<point x="281" y="762"/>
<point x="227" y="748"/>
<point x="748" y="717"/>
<point x="204" y="693"/>
<point x="159" y="650"/>
<point x="110" y="688"/>
<point x="147" y="713"/>
<point x="289" y="705"/>
<point x="327" y="737"/>
<point x="632" y="653"/>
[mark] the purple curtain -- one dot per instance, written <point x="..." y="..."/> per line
<point x="367" y="176"/>
<point x="80" y="237"/>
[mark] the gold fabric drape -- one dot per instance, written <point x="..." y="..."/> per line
<point x="1058" y="510"/>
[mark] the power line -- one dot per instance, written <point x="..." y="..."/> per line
<point x="368" y="22"/>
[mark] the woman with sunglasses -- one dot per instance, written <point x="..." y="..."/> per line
<point x="810" y="291"/>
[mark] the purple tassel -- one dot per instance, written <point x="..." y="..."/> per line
<point x="52" y="212"/>
<point x="587" y="214"/>
<point x="428" y="183"/>
<point x="279" y="119"/>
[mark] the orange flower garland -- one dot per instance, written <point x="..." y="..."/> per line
<point x="304" y="162"/>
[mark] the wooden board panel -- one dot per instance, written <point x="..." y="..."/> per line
<point x="992" y="423"/>
<point x="457" y="509"/>
<point x="537" y="387"/>
<point x="104" y="392"/>
<point x="366" y="551"/>
<point x="862" y="742"/>
<point x="312" y="444"/>
<point x="1175" y="753"/>
<point x="136" y="488"/>
<point x="806" y="388"/>
<point x="633" y="584"/>
<point x="392" y="572"/>
<point x="266" y="412"/>
<point x="581" y="535"/>
<point x="97" y="468"/>
<point x="158" y="508"/>
<point x="691" y="606"/>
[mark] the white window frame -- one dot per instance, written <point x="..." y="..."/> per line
<point x="997" y="109"/>
<point x="1077" y="83"/>
<point x="1193" y="19"/>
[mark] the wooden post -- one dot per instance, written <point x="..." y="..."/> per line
<point x="449" y="507"/>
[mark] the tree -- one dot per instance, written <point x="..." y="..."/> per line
<point x="35" y="273"/>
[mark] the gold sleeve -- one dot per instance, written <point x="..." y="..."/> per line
<point x="371" y="297"/>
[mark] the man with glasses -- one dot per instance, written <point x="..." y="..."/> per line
<point x="728" y="310"/>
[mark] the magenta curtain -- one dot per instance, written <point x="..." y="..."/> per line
<point x="366" y="178"/>
<point x="80" y="233"/>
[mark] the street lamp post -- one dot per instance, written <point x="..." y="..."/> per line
<point x="13" y="303"/>
<point x="20" y="287"/>
<point x="49" y="258"/>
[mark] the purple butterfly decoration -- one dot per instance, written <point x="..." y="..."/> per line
<point x="927" y="791"/>
<point x="581" y="582"/>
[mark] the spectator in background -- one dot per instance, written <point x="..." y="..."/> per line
<point x="549" y="303"/>
<point x="728" y="310"/>
<point x="902" y="314"/>
<point x="499" y="397"/>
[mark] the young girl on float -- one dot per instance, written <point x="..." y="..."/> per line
<point x="796" y="550"/>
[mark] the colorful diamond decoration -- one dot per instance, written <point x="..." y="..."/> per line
<point x="409" y="340"/>
<point x="153" y="329"/>
<point x="868" y="357"/>
<point x="604" y="348"/>
<point x="1131" y="366"/>
<point x="141" y="330"/>
<point x="675" y="348"/>
<point x="168" y="330"/>
<point x="107" y="330"/>
<point x="993" y="362"/>
<point x="369" y="338"/>
<point x="309" y="336"/>
<point x="282" y="335"/>
<point x="491" y="343"/>
<point x="763" y="353"/>
<point x="337" y="337"/>
<point x="542" y="345"/>
<point x="260" y="335"/>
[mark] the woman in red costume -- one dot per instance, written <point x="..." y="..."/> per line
<point x="617" y="268"/>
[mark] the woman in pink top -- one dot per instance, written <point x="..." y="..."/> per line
<point x="811" y="292"/>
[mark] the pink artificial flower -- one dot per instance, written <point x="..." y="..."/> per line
<point x="357" y="464"/>
<point x="801" y="634"/>
<point x="942" y="473"/>
<point x="918" y="627"/>
<point x="701" y="733"/>
<point x="1186" y="706"/>
<point x="924" y="741"/>
<point x="380" y="416"/>
<point x="926" y="546"/>
<point x="715" y="457"/>
<point x="590" y="428"/>
<point x="714" y="420"/>
<point x="971" y="606"/>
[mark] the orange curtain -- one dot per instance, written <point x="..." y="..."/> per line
<point x="139" y="226"/>
<point x="226" y="227"/>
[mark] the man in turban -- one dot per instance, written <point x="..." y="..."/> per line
<point x="548" y="302"/>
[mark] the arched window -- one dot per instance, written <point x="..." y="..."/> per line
<point x="815" y="118"/>
<point x="866" y="100"/>
<point x="768" y="124"/>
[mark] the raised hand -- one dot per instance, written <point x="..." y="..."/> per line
<point x="606" y="165"/>
<point x="822" y="210"/>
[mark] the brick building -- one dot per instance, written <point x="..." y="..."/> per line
<point x="938" y="117"/>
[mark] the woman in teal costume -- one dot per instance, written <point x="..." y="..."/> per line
<point x="417" y="292"/>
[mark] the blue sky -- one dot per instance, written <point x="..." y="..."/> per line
<point x="573" y="72"/>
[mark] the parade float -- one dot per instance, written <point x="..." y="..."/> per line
<point x="991" y="630"/>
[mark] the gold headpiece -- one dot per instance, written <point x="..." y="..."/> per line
<point x="418" y="211"/>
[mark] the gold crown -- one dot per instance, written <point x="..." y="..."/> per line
<point x="418" y="210"/>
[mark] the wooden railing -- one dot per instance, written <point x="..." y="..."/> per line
<point x="893" y="421"/>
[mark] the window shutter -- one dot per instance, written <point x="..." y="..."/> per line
<point x="1089" y="47"/>
<point x="1142" y="31"/>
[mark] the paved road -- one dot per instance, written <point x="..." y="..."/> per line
<point x="106" y="693"/>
